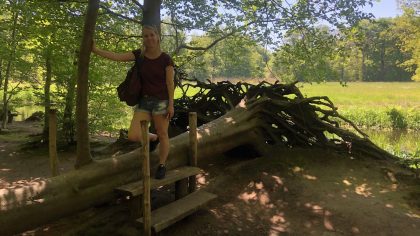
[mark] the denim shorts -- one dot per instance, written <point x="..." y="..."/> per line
<point x="152" y="105"/>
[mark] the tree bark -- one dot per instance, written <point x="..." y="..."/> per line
<point x="83" y="147"/>
<point x="151" y="13"/>
<point x="68" y="128"/>
<point x="8" y="70"/>
<point x="364" y="72"/>
<point x="1" y="73"/>
<point x="47" y="96"/>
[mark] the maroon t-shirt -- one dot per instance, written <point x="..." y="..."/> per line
<point x="153" y="75"/>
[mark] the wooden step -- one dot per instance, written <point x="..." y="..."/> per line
<point x="136" y="188"/>
<point x="175" y="211"/>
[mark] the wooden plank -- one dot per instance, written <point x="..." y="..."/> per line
<point x="175" y="211"/>
<point x="136" y="189"/>
<point x="181" y="188"/>
<point x="193" y="149"/>
<point x="147" y="209"/>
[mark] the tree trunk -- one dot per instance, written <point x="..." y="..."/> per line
<point x="382" y="76"/>
<point x="8" y="70"/>
<point x="363" y="66"/>
<point x="93" y="184"/>
<point x="357" y="71"/>
<point x="1" y="73"/>
<point x="68" y="128"/>
<point x="47" y="97"/>
<point x="151" y="13"/>
<point x="5" y="105"/>
<point x="83" y="147"/>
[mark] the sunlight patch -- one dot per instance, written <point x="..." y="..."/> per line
<point x="259" y="185"/>
<point x="277" y="180"/>
<point x="201" y="179"/>
<point x="279" y="224"/>
<point x="229" y="120"/>
<point x="355" y="230"/>
<point x="412" y="215"/>
<point x="278" y="218"/>
<point x="363" y="190"/>
<point x="207" y="131"/>
<point x="242" y="103"/>
<point x="297" y="169"/>
<point x="346" y="182"/>
<point x="264" y="199"/>
<point x="317" y="209"/>
<point x="248" y="196"/>
<point x="310" y="177"/>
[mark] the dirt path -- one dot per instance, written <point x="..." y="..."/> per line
<point x="20" y="164"/>
<point x="296" y="192"/>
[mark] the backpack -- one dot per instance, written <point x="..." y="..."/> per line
<point x="129" y="91"/>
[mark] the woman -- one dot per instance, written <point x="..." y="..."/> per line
<point x="157" y="101"/>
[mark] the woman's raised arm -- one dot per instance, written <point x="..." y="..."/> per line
<point x="126" y="56"/>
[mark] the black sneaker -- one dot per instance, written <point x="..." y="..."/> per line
<point x="160" y="172"/>
<point x="153" y="144"/>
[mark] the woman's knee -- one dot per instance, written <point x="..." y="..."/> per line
<point x="132" y="138"/>
<point x="162" y="133"/>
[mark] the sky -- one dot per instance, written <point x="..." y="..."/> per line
<point x="383" y="8"/>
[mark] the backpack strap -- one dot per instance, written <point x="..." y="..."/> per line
<point x="138" y="60"/>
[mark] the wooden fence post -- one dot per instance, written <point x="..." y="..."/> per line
<point x="193" y="149"/>
<point x="52" y="142"/>
<point x="146" y="178"/>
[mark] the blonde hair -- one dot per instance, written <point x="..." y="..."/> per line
<point x="156" y="31"/>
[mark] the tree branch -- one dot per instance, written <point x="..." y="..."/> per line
<point x="119" y="35"/>
<point x="203" y="48"/>
<point x="119" y="15"/>
<point x="214" y="42"/>
<point x="138" y="4"/>
<point x="11" y="92"/>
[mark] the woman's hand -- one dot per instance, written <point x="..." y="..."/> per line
<point x="171" y="111"/>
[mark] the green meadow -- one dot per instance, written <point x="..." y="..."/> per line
<point x="380" y="105"/>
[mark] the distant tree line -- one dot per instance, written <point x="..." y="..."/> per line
<point x="374" y="50"/>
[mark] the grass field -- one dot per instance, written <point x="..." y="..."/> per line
<point x="368" y="95"/>
<point x="374" y="105"/>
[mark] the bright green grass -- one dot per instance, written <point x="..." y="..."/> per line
<point x="191" y="92"/>
<point x="368" y="95"/>
<point x="374" y="105"/>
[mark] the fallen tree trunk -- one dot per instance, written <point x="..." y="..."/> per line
<point x="44" y="201"/>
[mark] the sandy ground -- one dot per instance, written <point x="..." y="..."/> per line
<point x="292" y="192"/>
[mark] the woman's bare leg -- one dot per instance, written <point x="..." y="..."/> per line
<point x="134" y="130"/>
<point x="161" y="125"/>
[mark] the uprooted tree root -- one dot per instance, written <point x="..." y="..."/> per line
<point x="289" y="119"/>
